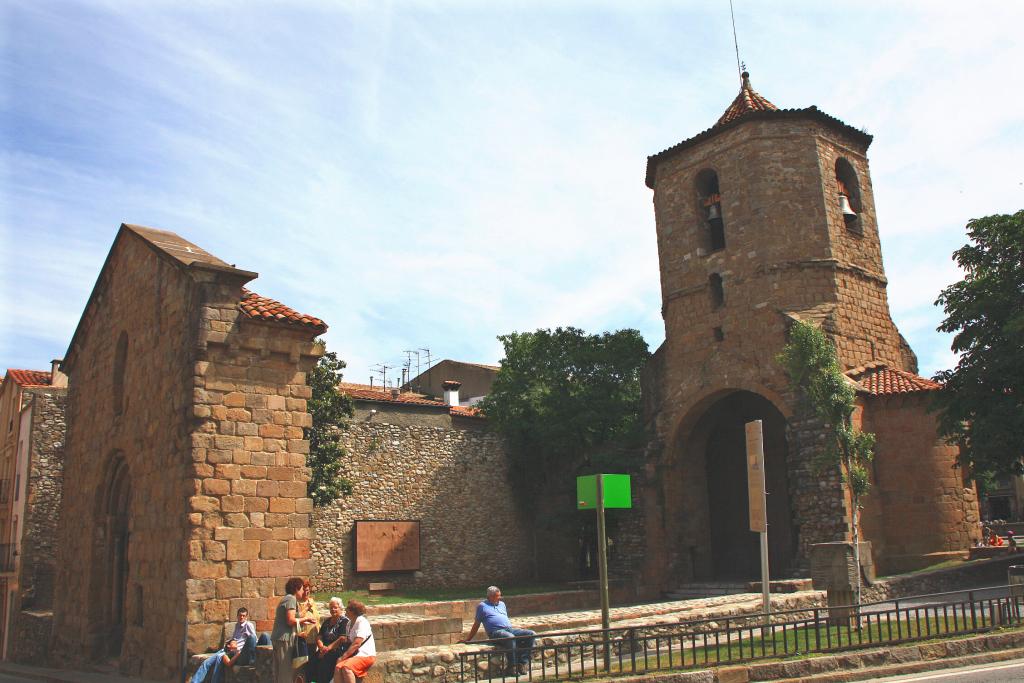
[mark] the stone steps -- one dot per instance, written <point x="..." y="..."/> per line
<point x="403" y="631"/>
<point x="698" y="590"/>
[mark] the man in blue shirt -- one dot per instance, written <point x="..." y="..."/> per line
<point x="493" y="614"/>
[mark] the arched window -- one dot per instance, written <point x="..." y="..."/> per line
<point x="716" y="290"/>
<point x="120" y="359"/>
<point x="849" y="195"/>
<point x="711" y="208"/>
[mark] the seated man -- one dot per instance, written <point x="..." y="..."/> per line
<point x="240" y="650"/>
<point x="493" y="614"/>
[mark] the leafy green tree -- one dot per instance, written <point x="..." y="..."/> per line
<point x="811" y="363"/>
<point x="982" y="406"/>
<point x="329" y="409"/>
<point x="567" y="399"/>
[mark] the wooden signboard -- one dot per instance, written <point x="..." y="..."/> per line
<point x="755" y="477"/>
<point x="392" y="545"/>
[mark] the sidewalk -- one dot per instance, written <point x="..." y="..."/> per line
<point x="38" y="673"/>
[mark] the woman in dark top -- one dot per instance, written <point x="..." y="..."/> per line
<point x="331" y="643"/>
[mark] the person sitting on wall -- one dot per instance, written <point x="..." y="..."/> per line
<point x="493" y="614"/>
<point x="995" y="540"/>
<point x="362" y="651"/>
<point x="330" y="643"/>
<point x="239" y="650"/>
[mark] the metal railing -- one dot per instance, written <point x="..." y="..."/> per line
<point x="563" y="655"/>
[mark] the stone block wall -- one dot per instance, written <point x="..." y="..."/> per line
<point x="148" y="300"/>
<point x="915" y="480"/>
<point x="452" y="478"/>
<point x="249" y="516"/>
<point x="788" y="255"/>
<point x="185" y="443"/>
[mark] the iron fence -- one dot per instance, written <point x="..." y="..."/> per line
<point x="564" y="655"/>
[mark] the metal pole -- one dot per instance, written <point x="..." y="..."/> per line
<point x="602" y="566"/>
<point x="766" y="597"/>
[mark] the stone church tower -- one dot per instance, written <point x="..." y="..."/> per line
<point x="765" y="218"/>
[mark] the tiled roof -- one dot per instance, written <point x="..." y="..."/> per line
<point x="468" y="411"/>
<point x="750" y="106"/>
<point x="30" y="378"/>
<point x="879" y="379"/>
<point x="364" y="392"/>
<point x="267" y="309"/>
<point x="746" y="102"/>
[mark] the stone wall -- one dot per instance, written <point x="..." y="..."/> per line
<point x="915" y="480"/>
<point x="185" y="442"/>
<point x="42" y="500"/>
<point x="453" y="479"/>
<point x="146" y="298"/>
<point x="788" y="255"/>
<point x="249" y="516"/>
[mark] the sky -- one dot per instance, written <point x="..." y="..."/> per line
<point x="430" y="175"/>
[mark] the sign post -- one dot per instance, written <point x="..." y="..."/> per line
<point x="758" y="501"/>
<point x="600" y="491"/>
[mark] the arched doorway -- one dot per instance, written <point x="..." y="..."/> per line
<point x="115" y="505"/>
<point x="719" y="433"/>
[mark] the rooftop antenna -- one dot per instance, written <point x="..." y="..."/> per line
<point x="383" y="370"/>
<point x="740" y="67"/>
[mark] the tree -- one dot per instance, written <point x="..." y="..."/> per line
<point x="329" y="409"/>
<point x="811" y="363"/>
<point x="565" y="398"/>
<point x="982" y="405"/>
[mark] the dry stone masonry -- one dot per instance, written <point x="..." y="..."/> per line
<point x="446" y="472"/>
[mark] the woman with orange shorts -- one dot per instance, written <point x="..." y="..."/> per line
<point x="361" y="652"/>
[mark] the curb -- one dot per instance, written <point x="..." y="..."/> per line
<point x="856" y="665"/>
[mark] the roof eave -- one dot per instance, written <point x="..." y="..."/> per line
<point x="809" y="112"/>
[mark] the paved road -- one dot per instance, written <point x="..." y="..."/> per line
<point x="1003" y="672"/>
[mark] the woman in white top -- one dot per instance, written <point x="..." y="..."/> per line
<point x="362" y="652"/>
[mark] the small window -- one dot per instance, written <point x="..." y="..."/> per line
<point x="848" y="189"/>
<point x="17" y="486"/>
<point x="711" y="208"/>
<point x="717" y="291"/>
<point x="718" y="334"/>
<point x="120" y="359"/>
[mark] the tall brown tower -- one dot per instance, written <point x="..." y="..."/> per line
<point x="766" y="217"/>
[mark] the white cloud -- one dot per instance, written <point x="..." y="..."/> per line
<point x="436" y="174"/>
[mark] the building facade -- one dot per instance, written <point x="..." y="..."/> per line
<point x="32" y="404"/>
<point x="186" y="408"/>
<point x="765" y="218"/>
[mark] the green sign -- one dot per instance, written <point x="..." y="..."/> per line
<point x="617" y="493"/>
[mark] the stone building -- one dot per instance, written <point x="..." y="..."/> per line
<point x="766" y="218"/>
<point x="416" y="459"/>
<point x="31" y="457"/>
<point x="185" y="418"/>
